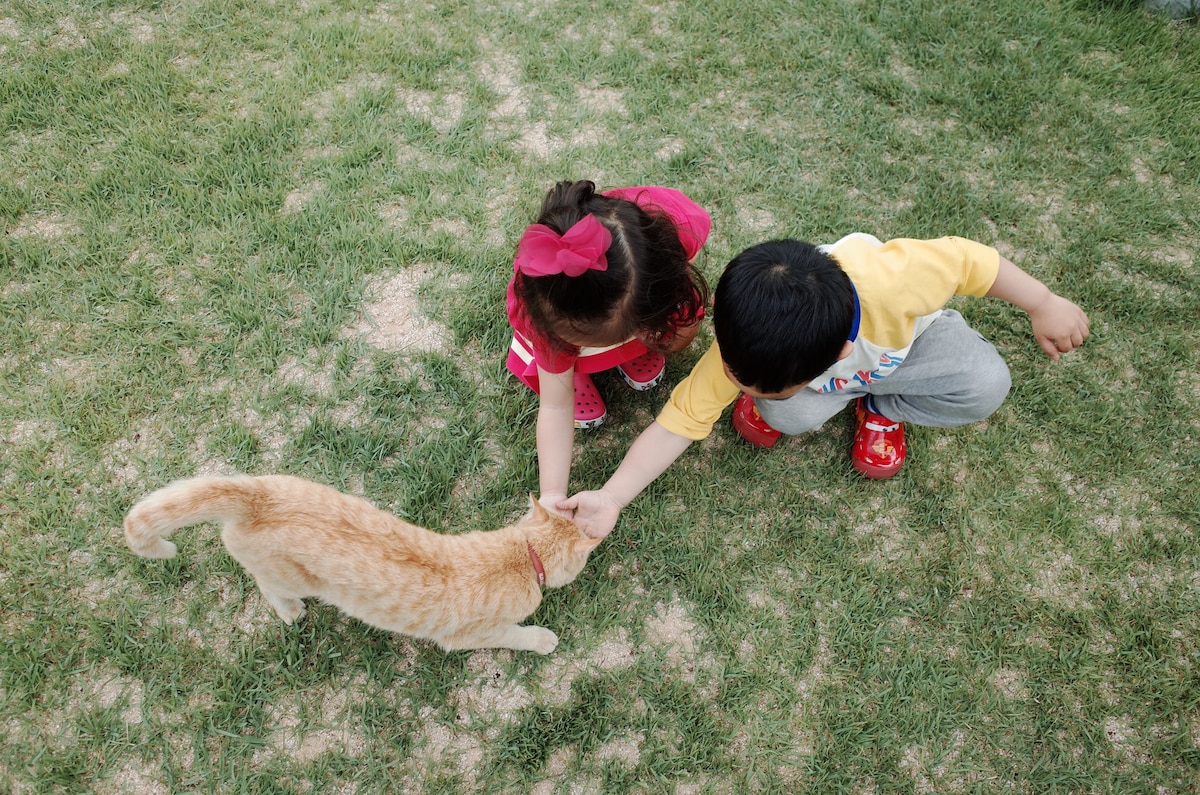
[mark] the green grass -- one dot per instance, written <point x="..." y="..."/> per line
<point x="205" y="202"/>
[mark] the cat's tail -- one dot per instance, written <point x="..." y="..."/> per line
<point x="183" y="503"/>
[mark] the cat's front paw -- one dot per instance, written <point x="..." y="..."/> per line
<point x="541" y="640"/>
<point x="289" y="609"/>
<point x="157" y="549"/>
<point x="294" y="614"/>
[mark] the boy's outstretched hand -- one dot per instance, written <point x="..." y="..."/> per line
<point x="1059" y="325"/>
<point x="595" y="512"/>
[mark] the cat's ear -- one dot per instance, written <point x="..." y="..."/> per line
<point x="537" y="512"/>
<point x="584" y="545"/>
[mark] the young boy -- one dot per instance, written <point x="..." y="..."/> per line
<point x="802" y="330"/>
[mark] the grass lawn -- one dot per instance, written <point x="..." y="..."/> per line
<point x="273" y="237"/>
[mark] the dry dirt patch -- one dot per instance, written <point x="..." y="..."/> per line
<point x="392" y="321"/>
<point x="46" y="227"/>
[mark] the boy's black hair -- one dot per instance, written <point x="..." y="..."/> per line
<point x="649" y="287"/>
<point x="782" y="312"/>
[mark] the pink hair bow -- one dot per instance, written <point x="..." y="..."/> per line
<point x="542" y="252"/>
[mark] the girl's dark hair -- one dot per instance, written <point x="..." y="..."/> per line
<point x="648" y="289"/>
<point x="782" y="312"/>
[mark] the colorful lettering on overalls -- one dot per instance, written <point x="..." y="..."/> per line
<point x="834" y="385"/>
<point x="887" y="363"/>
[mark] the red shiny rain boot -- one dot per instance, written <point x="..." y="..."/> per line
<point x="878" y="451"/>
<point x="750" y="424"/>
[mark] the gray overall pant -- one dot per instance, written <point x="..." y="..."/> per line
<point x="951" y="376"/>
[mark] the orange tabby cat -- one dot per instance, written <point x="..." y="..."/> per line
<point x="299" y="538"/>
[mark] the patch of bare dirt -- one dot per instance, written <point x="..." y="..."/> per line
<point x="46" y="227"/>
<point x="392" y="321"/>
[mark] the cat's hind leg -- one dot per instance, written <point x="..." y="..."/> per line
<point x="512" y="636"/>
<point x="265" y="569"/>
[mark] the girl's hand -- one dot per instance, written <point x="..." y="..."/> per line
<point x="1059" y="325"/>
<point x="551" y="502"/>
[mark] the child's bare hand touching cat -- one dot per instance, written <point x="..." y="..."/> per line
<point x="595" y="512"/>
<point x="550" y="501"/>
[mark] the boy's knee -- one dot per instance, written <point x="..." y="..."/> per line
<point x="989" y="391"/>
<point x="784" y="418"/>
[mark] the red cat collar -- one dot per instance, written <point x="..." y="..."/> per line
<point x="537" y="565"/>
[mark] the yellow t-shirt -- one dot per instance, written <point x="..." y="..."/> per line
<point x="902" y="286"/>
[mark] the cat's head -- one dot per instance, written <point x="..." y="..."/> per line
<point x="562" y="547"/>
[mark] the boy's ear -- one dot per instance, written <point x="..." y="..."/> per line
<point x="847" y="349"/>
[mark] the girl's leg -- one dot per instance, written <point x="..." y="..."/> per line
<point x="520" y="363"/>
<point x="590" y="410"/>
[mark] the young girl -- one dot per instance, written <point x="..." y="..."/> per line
<point x="601" y="280"/>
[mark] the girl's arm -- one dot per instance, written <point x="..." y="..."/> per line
<point x="1058" y="324"/>
<point x="656" y="449"/>
<point x="555" y="434"/>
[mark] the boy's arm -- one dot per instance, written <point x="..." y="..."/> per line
<point x="596" y="512"/>
<point x="1058" y="324"/>
<point x="555" y="434"/>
